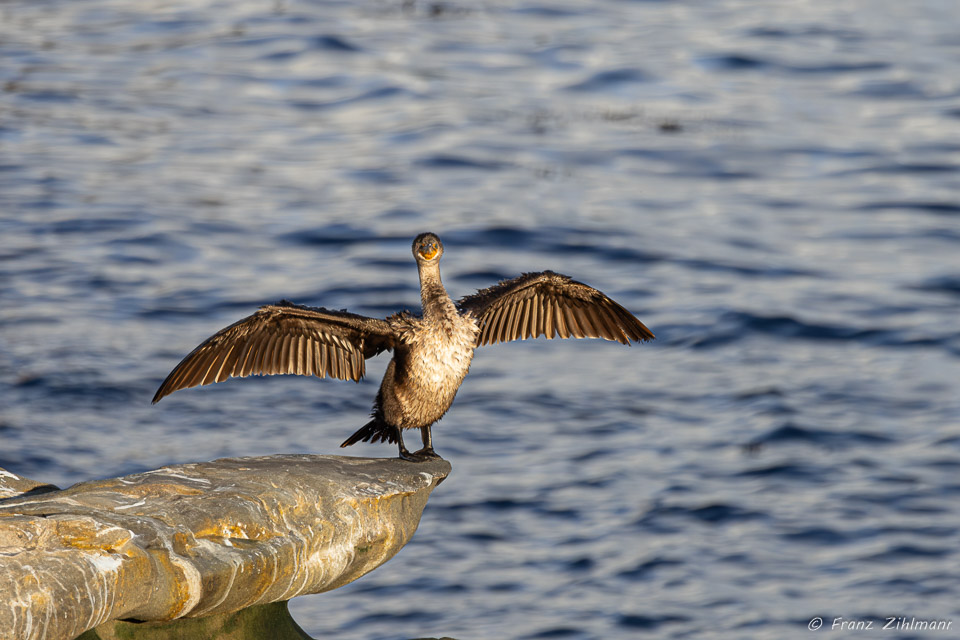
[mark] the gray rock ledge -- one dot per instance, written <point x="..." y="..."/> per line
<point x="201" y="539"/>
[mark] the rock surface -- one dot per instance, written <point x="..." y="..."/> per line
<point x="201" y="539"/>
<point x="261" y="622"/>
<point x="12" y="485"/>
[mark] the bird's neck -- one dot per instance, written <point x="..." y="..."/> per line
<point x="433" y="297"/>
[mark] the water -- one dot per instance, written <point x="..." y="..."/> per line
<point x="772" y="188"/>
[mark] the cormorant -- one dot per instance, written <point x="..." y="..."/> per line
<point x="431" y="353"/>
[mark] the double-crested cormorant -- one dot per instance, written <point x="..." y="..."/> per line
<point x="431" y="353"/>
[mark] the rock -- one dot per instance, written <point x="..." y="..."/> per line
<point x="13" y="485"/>
<point x="203" y="539"/>
<point x="261" y="622"/>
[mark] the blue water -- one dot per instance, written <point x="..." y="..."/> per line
<point x="774" y="188"/>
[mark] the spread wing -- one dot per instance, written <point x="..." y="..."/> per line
<point x="550" y="304"/>
<point x="284" y="338"/>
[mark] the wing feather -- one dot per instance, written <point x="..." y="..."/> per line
<point x="260" y="353"/>
<point x="583" y="316"/>
<point x="293" y="353"/>
<point x="548" y="329"/>
<point x="562" y="330"/>
<point x="334" y="359"/>
<point x="269" y="354"/>
<point x="230" y="362"/>
<point x="281" y="358"/>
<point x="514" y="318"/>
<point x="571" y="316"/>
<point x="243" y="366"/>
<point x="275" y="364"/>
<point x="284" y="339"/>
<point x="536" y="313"/>
<point x="288" y="357"/>
<point x="357" y="365"/>
<point x="600" y="322"/>
<point x="492" y="324"/>
<point x="324" y="359"/>
<point x="221" y="363"/>
<point x="296" y="353"/>
<point x="523" y="325"/>
<point x="207" y="365"/>
<point x="306" y="350"/>
<point x="503" y="322"/>
<point x="552" y="305"/>
<point x="178" y="374"/>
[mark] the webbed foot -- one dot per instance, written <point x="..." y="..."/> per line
<point x="420" y="456"/>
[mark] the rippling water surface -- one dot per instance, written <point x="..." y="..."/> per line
<point x="774" y="188"/>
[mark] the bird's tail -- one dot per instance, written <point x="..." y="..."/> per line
<point x="374" y="431"/>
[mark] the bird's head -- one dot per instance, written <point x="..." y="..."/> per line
<point x="427" y="247"/>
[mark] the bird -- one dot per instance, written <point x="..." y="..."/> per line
<point x="432" y="351"/>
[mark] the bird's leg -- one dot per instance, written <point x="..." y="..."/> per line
<point x="404" y="453"/>
<point x="427" y="437"/>
<point x="427" y="451"/>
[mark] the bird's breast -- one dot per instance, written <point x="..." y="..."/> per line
<point x="440" y="353"/>
<point x="438" y="356"/>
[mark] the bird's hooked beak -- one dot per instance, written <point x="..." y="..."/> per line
<point x="429" y="250"/>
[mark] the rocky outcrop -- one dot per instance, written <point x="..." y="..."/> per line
<point x="203" y="539"/>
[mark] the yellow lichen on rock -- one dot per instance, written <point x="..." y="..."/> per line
<point x="201" y="539"/>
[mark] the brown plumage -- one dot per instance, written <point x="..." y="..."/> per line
<point x="549" y="304"/>
<point x="432" y="352"/>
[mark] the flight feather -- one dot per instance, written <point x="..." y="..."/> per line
<point x="284" y="338"/>
<point x="552" y="305"/>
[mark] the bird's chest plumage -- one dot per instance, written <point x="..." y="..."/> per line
<point x="441" y="358"/>
<point x="435" y="358"/>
